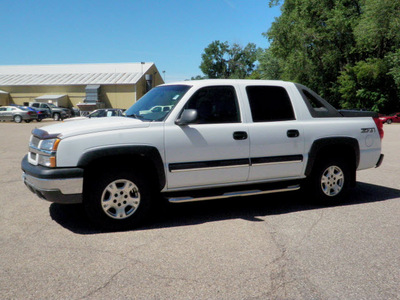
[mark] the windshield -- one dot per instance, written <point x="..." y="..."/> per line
<point x="157" y="103"/>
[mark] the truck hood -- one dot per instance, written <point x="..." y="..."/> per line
<point x="93" y="125"/>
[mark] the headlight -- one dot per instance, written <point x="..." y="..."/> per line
<point x="49" y="145"/>
<point x="43" y="152"/>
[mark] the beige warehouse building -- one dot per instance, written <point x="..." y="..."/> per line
<point x="87" y="86"/>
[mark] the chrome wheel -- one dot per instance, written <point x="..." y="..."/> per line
<point x="332" y="181"/>
<point x="120" y="199"/>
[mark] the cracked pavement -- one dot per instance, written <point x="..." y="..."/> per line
<point x="265" y="247"/>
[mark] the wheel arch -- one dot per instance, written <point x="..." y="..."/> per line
<point x="335" y="146"/>
<point x="144" y="158"/>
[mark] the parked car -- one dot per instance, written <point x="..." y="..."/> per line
<point x="17" y="114"/>
<point x="41" y="113"/>
<point x="57" y="113"/>
<point x="390" y="118"/>
<point x="100" y="113"/>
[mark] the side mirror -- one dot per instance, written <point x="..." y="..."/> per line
<point x="188" y="116"/>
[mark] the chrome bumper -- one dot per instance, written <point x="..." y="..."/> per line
<point x="64" y="190"/>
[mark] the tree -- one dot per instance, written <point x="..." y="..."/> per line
<point x="377" y="32"/>
<point x="220" y="60"/>
<point x="314" y="41"/>
<point x="367" y="85"/>
<point x="270" y="67"/>
<point x="334" y="46"/>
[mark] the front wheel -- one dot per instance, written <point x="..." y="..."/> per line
<point x="389" y="121"/>
<point x="330" y="180"/>
<point x="117" y="200"/>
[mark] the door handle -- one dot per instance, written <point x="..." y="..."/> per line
<point x="240" y="135"/>
<point x="293" y="133"/>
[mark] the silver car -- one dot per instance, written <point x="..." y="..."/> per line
<point x="17" y="114"/>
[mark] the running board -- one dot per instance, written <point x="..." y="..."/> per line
<point x="232" y="194"/>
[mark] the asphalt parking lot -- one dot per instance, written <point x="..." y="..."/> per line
<point x="266" y="247"/>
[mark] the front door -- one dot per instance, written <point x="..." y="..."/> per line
<point x="214" y="150"/>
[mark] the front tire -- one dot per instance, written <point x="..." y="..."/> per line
<point x="117" y="200"/>
<point x="330" y="180"/>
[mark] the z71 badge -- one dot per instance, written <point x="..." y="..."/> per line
<point x="367" y="130"/>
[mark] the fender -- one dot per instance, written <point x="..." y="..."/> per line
<point x="147" y="152"/>
<point x="331" y="143"/>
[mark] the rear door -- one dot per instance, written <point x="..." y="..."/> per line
<point x="276" y="138"/>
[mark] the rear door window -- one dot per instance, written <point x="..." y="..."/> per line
<point x="269" y="103"/>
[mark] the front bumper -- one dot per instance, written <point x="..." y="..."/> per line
<point x="60" y="185"/>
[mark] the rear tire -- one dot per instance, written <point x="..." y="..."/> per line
<point x="117" y="199"/>
<point x="17" y="119"/>
<point x="330" y="180"/>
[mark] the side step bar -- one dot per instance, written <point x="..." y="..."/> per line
<point x="232" y="194"/>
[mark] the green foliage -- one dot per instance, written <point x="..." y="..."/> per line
<point x="377" y="32"/>
<point x="220" y="60"/>
<point x="346" y="50"/>
<point x="269" y="67"/>
<point x="394" y="61"/>
<point x="366" y="85"/>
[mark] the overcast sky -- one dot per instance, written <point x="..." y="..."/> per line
<point x="170" y="33"/>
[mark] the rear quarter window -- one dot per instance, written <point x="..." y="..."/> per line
<point x="269" y="103"/>
<point x="317" y="106"/>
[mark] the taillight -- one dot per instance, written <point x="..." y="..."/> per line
<point x="379" y="125"/>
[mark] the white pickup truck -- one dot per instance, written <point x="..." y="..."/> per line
<point x="221" y="138"/>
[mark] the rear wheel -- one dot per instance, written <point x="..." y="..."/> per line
<point x="17" y="119"/>
<point x="389" y="121"/>
<point x="330" y="180"/>
<point x="117" y="199"/>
